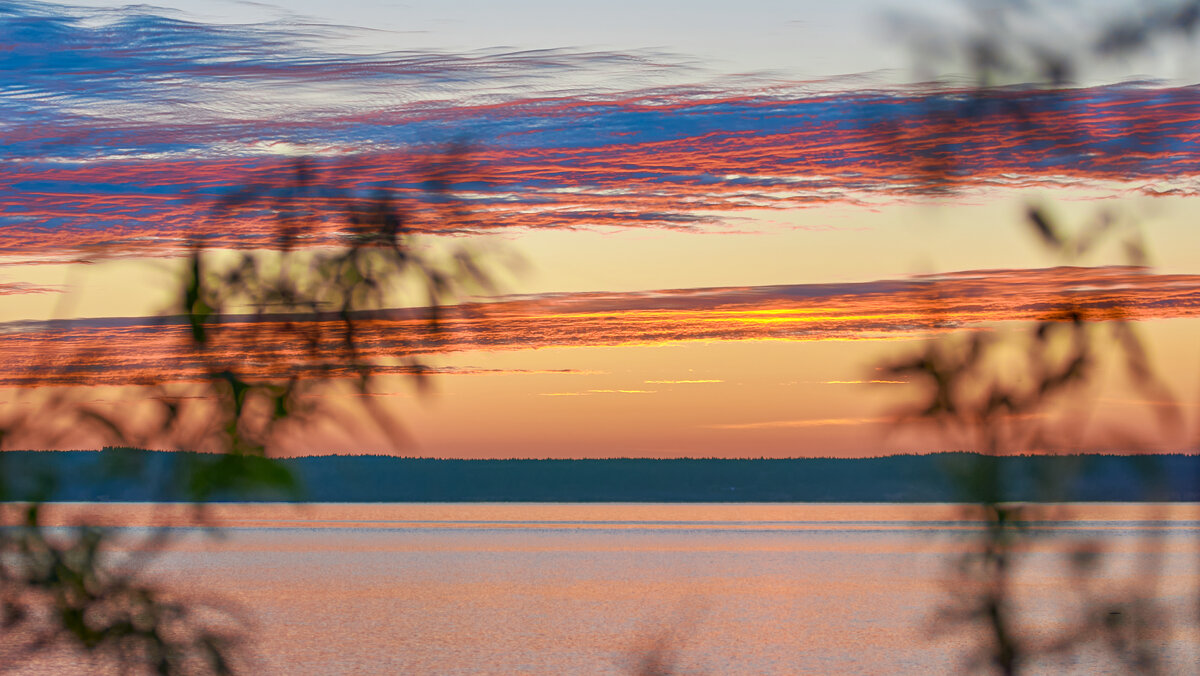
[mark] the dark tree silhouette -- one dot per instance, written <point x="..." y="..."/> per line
<point x="1001" y="394"/>
<point x="267" y="345"/>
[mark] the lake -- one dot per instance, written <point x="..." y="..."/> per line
<point x="614" y="588"/>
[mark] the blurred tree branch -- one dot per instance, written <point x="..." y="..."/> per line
<point x="277" y="339"/>
<point x="999" y="395"/>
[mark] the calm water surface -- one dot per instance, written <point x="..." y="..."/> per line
<point x="592" y="589"/>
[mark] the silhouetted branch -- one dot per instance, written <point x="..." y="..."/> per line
<point x="273" y="347"/>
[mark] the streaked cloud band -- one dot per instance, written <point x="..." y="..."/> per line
<point x="154" y="349"/>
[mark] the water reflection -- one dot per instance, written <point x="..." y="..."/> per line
<point x="573" y="588"/>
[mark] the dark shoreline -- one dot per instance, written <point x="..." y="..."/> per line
<point x="130" y="475"/>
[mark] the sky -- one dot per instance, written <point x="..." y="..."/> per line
<point x="711" y="228"/>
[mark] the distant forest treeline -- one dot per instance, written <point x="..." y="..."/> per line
<point x="122" y="474"/>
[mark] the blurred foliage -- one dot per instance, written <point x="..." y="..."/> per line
<point x="67" y="588"/>
<point x="1005" y="393"/>
<point x="1012" y="62"/>
<point x="62" y="591"/>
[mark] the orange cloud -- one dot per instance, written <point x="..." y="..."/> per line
<point x="148" y="350"/>
<point x="821" y="422"/>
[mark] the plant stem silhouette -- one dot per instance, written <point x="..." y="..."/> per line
<point x="1006" y="395"/>
<point x="270" y="346"/>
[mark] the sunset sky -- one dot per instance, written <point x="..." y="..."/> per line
<point x="711" y="225"/>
